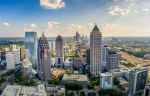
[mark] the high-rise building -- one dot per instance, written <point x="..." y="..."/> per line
<point x="88" y="56"/>
<point x="95" y="51"/>
<point x="113" y="60"/>
<point x="137" y="81"/>
<point x="44" y="59"/>
<point x="59" y="51"/>
<point x="3" y="55"/>
<point x="23" y="54"/>
<point x="31" y="46"/>
<point x="105" y="50"/>
<point x="77" y="63"/>
<point x="110" y="59"/>
<point x="77" y="37"/>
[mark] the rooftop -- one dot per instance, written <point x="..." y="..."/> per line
<point x="16" y="90"/>
<point x="75" y="77"/>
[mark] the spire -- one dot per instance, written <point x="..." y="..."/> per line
<point x="95" y="28"/>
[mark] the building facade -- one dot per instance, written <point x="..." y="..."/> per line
<point x="113" y="60"/>
<point x="105" y="50"/>
<point x="31" y="46"/>
<point x="16" y="90"/>
<point x="137" y="82"/>
<point x="106" y="80"/>
<point x="23" y="54"/>
<point x="110" y="59"/>
<point x="147" y="90"/>
<point x="44" y="59"/>
<point x="12" y="58"/>
<point x="77" y="37"/>
<point x="59" y="51"/>
<point x="95" y="51"/>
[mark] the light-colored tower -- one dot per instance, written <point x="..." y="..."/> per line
<point x="59" y="51"/>
<point x="44" y="61"/>
<point x="95" y="51"/>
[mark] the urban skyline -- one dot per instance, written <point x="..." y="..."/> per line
<point x="66" y="70"/>
<point x="74" y="48"/>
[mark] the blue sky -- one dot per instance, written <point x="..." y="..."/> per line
<point x="65" y="17"/>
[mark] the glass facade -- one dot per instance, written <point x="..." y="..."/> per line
<point x="31" y="45"/>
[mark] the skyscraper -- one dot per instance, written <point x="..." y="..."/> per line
<point x="23" y="54"/>
<point x="44" y="62"/>
<point x="95" y="51"/>
<point x="77" y="37"/>
<point x="113" y="60"/>
<point x="31" y="46"/>
<point x="137" y="81"/>
<point x="59" y="51"/>
<point x="110" y="59"/>
<point x="104" y="58"/>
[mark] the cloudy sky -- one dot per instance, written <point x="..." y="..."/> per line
<point x="65" y="17"/>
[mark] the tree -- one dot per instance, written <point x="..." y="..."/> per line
<point x="2" y="79"/>
<point x="73" y="86"/>
<point x="94" y="81"/>
<point x="24" y="80"/>
<point x="116" y="81"/>
<point x="54" y="82"/>
<point x="110" y="92"/>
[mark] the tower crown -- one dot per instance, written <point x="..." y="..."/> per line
<point x="96" y="31"/>
<point x="96" y="28"/>
<point x="59" y="38"/>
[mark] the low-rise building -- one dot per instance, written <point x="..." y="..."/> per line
<point x="12" y="58"/>
<point x="78" y="78"/>
<point x="16" y="90"/>
<point x="27" y="67"/>
<point x="147" y="90"/>
<point x="53" y="90"/>
<point x="106" y="80"/>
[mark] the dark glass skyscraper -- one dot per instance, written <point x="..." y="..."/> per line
<point x="77" y="37"/>
<point x="44" y="61"/>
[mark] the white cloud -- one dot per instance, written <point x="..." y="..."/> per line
<point x="140" y="28"/>
<point x="124" y="0"/>
<point x="52" y="24"/>
<point x="126" y="7"/>
<point x="6" y="24"/>
<point x="76" y="26"/>
<point x="56" y="28"/>
<point x="33" y="25"/>
<point x="52" y="4"/>
<point x="146" y="9"/>
<point x="117" y="11"/>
